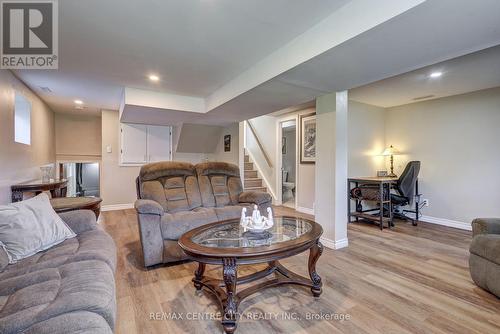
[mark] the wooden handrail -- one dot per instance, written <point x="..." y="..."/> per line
<point x="269" y="163"/>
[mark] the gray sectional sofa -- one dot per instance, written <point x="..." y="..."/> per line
<point x="484" y="260"/>
<point x="69" y="288"/>
<point x="175" y="197"/>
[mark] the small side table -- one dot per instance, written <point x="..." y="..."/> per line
<point x="57" y="188"/>
<point x="65" y="204"/>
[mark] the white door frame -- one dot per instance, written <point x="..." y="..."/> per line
<point x="279" y="158"/>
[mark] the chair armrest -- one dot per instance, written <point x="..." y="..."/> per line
<point x="485" y="226"/>
<point x="150" y="207"/>
<point x="80" y="221"/>
<point x="256" y="197"/>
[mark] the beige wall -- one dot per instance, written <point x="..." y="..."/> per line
<point x="231" y="156"/>
<point x="117" y="183"/>
<point x="19" y="162"/>
<point x="78" y="137"/>
<point x="457" y="139"/>
<point x="366" y="139"/>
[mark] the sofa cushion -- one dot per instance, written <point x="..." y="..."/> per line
<point x="4" y="259"/>
<point x="81" y="322"/>
<point x="157" y="170"/>
<point x="176" y="224"/>
<point x="232" y="211"/>
<point x="90" y="245"/>
<point x="37" y="296"/>
<point x="219" y="182"/>
<point x="31" y="226"/>
<point x="487" y="246"/>
<point x="173" y="185"/>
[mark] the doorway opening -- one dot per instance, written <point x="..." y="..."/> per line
<point x="83" y="178"/>
<point x="288" y="162"/>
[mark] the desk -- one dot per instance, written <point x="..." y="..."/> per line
<point x="384" y="185"/>
<point x="57" y="188"/>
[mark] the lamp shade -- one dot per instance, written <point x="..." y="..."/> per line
<point x="390" y="151"/>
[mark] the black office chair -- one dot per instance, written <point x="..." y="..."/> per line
<point x="405" y="191"/>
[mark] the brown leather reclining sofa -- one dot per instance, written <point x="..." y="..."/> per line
<point x="175" y="197"/>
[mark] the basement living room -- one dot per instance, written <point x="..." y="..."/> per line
<point x="233" y="167"/>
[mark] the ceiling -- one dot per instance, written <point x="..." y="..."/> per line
<point x="195" y="46"/>
<point x="241" y="59"/>
<point x="476" y="71"/>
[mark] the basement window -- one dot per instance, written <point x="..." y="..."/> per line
<point x="22" y="120"/>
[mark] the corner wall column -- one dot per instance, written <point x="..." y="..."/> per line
<point x="331" y="168"/>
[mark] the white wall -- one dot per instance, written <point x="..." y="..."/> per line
<point x="265" y="127"/>
<point x="19" y="162"/>
<point x="457" y="139"/>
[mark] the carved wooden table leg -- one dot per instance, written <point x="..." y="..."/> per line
<point x="198" y="275"/>
<point x="231" y="303"/>
<point x="314" y="254"/>
<point x="17" y="196"/>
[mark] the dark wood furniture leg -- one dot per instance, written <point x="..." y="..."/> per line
<point x="231" y="303"/>
<point x="198" y="275"/>
<point x="17" y="196"/>
<point x="314" y="254"/>
<point x="381" y="192"/>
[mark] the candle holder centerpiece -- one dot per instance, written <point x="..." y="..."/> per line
<point x="257" y="223"/>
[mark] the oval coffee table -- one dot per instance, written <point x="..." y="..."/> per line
<point x="229" y="245"/>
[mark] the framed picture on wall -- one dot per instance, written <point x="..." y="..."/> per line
<point x="308" y="139"/>
<point x="227" y="143"/>
<point x="283" y="145"/>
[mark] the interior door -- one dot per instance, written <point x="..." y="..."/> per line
<point x="159" y="143"/>
<point x="133" y="143"/>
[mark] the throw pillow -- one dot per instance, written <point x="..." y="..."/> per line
<point x="31" y="226"/>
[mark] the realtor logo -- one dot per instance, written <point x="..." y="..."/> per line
<point x="29" y="34"/>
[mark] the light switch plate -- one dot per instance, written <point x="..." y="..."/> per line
<point x="108" y="149"/>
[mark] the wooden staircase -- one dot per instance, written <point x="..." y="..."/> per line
<point x="251" y="179"/>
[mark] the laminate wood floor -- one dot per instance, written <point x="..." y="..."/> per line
<point x="405" y="280"/>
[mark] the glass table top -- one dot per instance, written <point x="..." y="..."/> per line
<point x="233" y="235"/>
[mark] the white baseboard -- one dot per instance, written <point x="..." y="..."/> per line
<point x="305" y="210"/>
<point x="332" y="244"/>
<point x="446" y="222"/>
<point x="114" y="207"/>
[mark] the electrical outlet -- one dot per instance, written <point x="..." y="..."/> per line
<point x="425" y="202"/>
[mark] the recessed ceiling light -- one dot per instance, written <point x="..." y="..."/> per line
<point x="154" y="77"/>
<point x="436" y="74"/>
<point x="78" y="102"/>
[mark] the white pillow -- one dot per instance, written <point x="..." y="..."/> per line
<point x="31" y="226"/>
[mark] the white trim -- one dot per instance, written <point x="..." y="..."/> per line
<point x="279" y="157"/>
<point x="266" y="182"/>
<point x="305" y="210"/>
<point x="332" y="244"/>
<point x="114" y="207"/>
<point x="446" y="222"/>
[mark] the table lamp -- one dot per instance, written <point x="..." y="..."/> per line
<point x="391" y="151"/>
